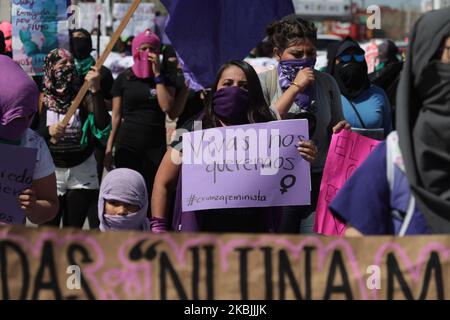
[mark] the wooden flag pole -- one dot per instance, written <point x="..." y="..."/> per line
<point x="84" y="88"/>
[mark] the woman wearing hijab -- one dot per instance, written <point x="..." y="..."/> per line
<point x="365" y="106"/>
<point x="73" y="153"/>
<point x="123" y="202"/>
<point x="403" y="186"/>
<point x="236" y="99"/>
<point x="142" y="94"/>
<point x="313" y="94"/>
<point x="18" y="104"/>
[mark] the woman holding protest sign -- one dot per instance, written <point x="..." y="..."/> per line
<point x="142" y="95"/>
<point x="18" y="104"/>
<point x="236" y="99"/>
<point x="73" y="153"/>
<point x="402" y="188"/>
<point x="295" y="90"/>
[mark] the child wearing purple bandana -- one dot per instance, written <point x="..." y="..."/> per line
<point x="123" y="201"/>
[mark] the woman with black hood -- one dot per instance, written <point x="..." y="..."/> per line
<point x="403" y="186"/>
<point x="81" y="48"/>
<point x="364" y="105"/>
<point x="387" y="71"/>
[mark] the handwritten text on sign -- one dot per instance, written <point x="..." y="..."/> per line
<point x="347" y="151"/>
<point x="38" y="28"/>
<point x="255" y="165"/>
<point x="16" y="174"/>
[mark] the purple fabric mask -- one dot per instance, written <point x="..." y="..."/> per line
<point x="131" y="221"/>
<point x="18" y="102"/>
<point x="287" y="71"/>
<point x="128" y="186"/>
<point x="231" y="105"/>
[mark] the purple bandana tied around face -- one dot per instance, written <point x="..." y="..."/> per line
<point x="231" y="104"/>
<point x="127" y="186"/>
<point x="19" y="97"/>
<point x="287" y="71"/>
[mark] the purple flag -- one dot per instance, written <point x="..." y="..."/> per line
<point x="208" y="33"/>
<point x="16" y="174"/>
<point x="256" y="165"/>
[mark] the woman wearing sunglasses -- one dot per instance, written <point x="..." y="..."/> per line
<point x="402" y="188"/>
<point x="364" y="105"/>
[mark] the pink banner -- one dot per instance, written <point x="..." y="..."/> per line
<point x="347" y="151"/>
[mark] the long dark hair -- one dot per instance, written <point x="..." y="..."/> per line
<point x="258" y="110"/>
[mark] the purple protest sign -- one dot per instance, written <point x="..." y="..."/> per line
<point x="16" y="174"/>
<point x="255" y="165"/>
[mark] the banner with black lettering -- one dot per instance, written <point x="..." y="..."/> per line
<point x="48" y="263"/>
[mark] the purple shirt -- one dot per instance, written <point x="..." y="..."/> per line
<point x="367" y="203"/>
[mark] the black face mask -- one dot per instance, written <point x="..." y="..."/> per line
<point x="431" y="131"/>
<point x="352" y="78"/>
<point x="434" y="86"/>
<point x="81" y="47"/>
<point x="2" y="43"/>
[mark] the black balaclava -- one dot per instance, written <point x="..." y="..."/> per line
<point x="2" y="43"/>
<point x="351" y="77"/>
<point x="128" y="43"/>
<point x="423" y="119"/>
<point x="81" y="48"/>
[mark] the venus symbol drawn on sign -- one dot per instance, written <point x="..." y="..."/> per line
<point x="284" y="186"/>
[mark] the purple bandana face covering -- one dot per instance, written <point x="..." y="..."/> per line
<point x="131" y="221"/>
<point x="231" y="104"/>
<point x="287" y="71"/>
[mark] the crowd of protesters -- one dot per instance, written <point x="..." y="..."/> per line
<point x="116" y="168"/>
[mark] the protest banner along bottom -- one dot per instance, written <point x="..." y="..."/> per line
<point x="42" y="264"/>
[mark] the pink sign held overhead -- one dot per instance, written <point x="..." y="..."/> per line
<point x="347" y="152"/>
